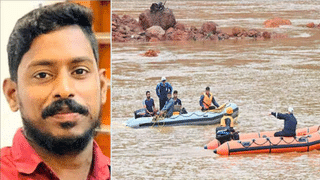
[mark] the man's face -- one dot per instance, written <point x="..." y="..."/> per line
<point x="175" y="95"/>
<point x="60" y="65"/>
<point x="148" y="95"/>
<point x="207" y="91"/>
<point x="163" y="82"/>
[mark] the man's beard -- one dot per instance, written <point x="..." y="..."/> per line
<point x="60" y="145"/>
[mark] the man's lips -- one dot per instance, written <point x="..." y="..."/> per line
<point x="66" y="116"/>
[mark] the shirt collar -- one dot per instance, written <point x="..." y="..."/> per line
<point x="100" y="163"/>
<point x="24" y="155"/>
<point x="27" y="160"/>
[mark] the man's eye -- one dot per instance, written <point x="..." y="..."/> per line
<point x="42" y="75"/>
<point x="80" y="71"/>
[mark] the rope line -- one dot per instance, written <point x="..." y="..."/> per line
<point x="268" y="140"/>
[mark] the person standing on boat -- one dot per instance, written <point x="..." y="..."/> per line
<point x="167" y="110"/>
<point x="162" y="89"/>
<point x="290" y="123"/>
<point x="148" y="104"/>
<point x="206" y="99"/>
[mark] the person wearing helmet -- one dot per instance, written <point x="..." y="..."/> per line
<point x="227" y="120"/>
<point x="226" y="132"/>
<point x="162" y="89"/>
<point x="206" y="99"/>
<point x="290" y="123"/>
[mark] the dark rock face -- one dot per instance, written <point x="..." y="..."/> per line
<point x="164" y="18"/>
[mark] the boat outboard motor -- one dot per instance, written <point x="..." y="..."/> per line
<point x="223" y="134"/>
<point x="140" y="113"/>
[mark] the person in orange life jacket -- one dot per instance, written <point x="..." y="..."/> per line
<point x="226" y="132"/>
<point x="175" y="98"/>
<point x="162" y="89"/>
<point x="290" y="123"/>
<point x="148" y="104"/>
<point x="206" y="99"/>
<point x="227" y="120"/>
<point x="168" y="108"/>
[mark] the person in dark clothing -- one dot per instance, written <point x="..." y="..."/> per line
<point x="290" y="123"/>
<point x="162" y="89"/>
<point x="175" y="98"/>
<point x="168" y="108"/>
<point x="206" y="99"/>
<point x="148" y="104"/>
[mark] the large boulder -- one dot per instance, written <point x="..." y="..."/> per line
<point x="276" y="22"/>
<point x="163" y="18"/>
<point x="209" y="27"/>
<point x="155" y="32"/>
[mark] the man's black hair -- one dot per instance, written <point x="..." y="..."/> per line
<point x="208" y="88"/>
<point x="42" y="21"/>
<point x="147" y="92"/>
<point x="175" y="92"/>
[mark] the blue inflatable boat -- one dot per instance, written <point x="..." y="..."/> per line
<point x="192" y="118"/>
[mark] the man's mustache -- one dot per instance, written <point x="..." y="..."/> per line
<point x="57" y="106"/>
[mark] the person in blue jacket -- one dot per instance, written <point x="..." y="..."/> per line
<point x="162" y="89"/>
<point x="206" y="99"/>
<point x="168" y="107"/>
<point x="149" y="105"/>
<point x="290" y="123"/>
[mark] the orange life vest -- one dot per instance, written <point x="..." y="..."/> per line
<point x="207" y="100"/>
<point x="223" y="122"/>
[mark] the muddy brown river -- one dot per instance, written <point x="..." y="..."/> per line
<point x="259" y="76"/>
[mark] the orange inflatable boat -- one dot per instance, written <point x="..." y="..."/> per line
<point x="271" y="145"/>
<point x="299" y="132"/>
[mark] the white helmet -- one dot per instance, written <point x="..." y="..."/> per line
<point x="290" y="109"/>
<point x="163" y="78"/>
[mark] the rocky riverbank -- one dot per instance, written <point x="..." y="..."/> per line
<point x="161" y="25"/>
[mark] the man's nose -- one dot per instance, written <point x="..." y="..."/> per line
<point x="64" y="86"/>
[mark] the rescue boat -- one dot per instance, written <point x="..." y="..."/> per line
<point x="271" y="145"/>
<point x="192" y="118"/>
<point x="299" y="132"/>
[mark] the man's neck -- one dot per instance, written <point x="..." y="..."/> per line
<point x="175" y="98"/>
<point x="68" y="166"/>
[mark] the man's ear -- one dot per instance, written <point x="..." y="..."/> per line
<point x="104" y="85"/>
<point x="10" y="91"/>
